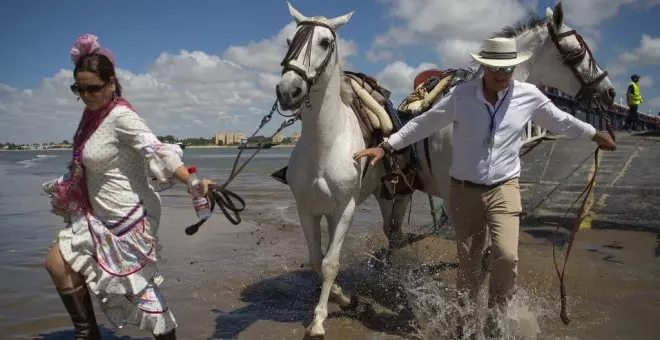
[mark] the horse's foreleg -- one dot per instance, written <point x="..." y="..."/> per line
<point x="340" y="222"/>
<point x="311" y="226"/>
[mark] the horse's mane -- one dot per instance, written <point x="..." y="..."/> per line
<point x="531" y="22"/>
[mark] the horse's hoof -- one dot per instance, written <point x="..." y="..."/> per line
<point x="352" y="306"/>
<point x="314" y="332"/>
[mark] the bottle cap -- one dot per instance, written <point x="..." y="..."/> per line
<point x="192" y="169"/>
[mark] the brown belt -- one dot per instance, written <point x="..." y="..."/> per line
<point x="478" y="185"/>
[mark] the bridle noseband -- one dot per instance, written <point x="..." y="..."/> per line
<point x="305" y="35"/>
<point x="574" y="58"/>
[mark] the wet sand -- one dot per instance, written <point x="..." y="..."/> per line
<point x="252" y="281"/>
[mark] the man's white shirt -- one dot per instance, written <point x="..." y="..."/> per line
<point x="478" y="155"/>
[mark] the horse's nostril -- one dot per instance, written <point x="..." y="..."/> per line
<point x="611" y="93"/>
<point x="297" y="92"/>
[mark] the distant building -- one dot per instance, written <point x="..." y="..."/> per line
<point x="228" y="138"/>
<point x="295" y="137"/>
<point x="278" y="138"/>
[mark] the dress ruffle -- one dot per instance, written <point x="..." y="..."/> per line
<point x="128" y="291"/>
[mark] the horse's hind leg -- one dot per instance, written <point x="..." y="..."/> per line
<point x="393" y="213"/>
<point x="340" y="223"/>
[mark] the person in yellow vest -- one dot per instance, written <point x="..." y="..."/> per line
<point x="634" y="99"/>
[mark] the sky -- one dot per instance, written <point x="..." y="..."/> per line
<point x="194" y="68"/>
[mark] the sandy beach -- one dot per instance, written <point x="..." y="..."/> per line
<point x="252" y="281"/>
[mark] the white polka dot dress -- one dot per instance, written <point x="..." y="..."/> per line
<point x="116" y="248"/>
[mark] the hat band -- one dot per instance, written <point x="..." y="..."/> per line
<point x="498" y="55"/>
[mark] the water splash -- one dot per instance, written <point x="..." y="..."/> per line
<point x="443" y="313"/>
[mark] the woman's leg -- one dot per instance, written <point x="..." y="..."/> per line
<point x="74" y="294"/>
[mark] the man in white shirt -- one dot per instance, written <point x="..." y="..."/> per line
<point x="489" y="114"/>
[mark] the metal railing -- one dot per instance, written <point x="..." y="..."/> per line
<point x="533" y="132"/>
<point x="618" y="116"/>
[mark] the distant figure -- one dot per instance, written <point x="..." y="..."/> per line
<point x="634" y="99"/>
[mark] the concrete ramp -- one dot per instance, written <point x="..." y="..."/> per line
<point x="626" y="194"/>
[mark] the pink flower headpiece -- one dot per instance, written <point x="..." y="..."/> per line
<point x="89" y="44"/>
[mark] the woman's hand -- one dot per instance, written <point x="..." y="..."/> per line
<point x="205" y="185"/>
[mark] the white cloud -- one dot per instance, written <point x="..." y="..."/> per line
<point x="654" y="103"/>
<point x="646" y="54"/>
<point x="187" y="94"/>
<point x="451" y="27"/>
<point x="398" y="77"/>
<point x="592" y="13"/>
<point x="455" y="52"/>
<point x="646" y="81"/>
<point x="467" y="19"/>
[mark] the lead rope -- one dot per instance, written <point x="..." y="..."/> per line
<point x="563" y="314"/>
<point x="220" y="195"/>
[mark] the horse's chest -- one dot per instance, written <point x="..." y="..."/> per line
<point x="323" y="184"/>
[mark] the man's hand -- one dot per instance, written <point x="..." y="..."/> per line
<point x="604" y="141"/>
<point x="376" y="153"/>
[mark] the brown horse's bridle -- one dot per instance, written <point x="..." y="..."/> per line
<point x="586" y="95"/>
<point x="574" y="58"/>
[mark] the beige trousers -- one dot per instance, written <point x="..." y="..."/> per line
<point x="476" y="210"/>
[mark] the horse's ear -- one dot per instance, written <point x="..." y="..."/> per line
<point x="558" y="16"/>
<point x="335" y="23"/>
<point x="297" y="16"/>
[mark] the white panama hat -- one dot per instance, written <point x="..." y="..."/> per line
<point x="500" y="52"/>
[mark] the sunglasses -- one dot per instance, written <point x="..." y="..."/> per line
<point x="93" y="88"/>
<point x="507" y="69"/>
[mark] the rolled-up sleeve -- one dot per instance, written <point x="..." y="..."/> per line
<point x="133" y="131"/>
<point x="556" y="120"/>
<point x="438" y="116"/>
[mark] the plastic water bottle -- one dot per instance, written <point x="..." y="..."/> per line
<point x="200" y="203"/>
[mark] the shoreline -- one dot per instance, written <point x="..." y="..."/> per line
<point x="187" y="147"/>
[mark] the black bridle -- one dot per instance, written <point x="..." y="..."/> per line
<point x="304" y="36"/>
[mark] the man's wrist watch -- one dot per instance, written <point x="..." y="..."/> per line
<point x="387" y="147"/>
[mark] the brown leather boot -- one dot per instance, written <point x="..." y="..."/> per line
<point x="79" y="305"/>
<point x="167" y="336"/>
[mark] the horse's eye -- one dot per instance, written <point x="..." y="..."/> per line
<point x="325" y="42"/>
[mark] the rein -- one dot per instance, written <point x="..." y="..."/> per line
<point x="572" y="59"/>
<point x="219" y="194"/>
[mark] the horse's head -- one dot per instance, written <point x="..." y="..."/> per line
<point x="312" y="54"/>
<point x="565" y="61"/>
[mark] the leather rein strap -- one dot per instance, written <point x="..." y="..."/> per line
<point x="572" y="59"/>
<point x="563" y="314"/>
<point x="223" y="198"/>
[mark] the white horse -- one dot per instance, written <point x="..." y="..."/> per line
<point x="324" y="178"/>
